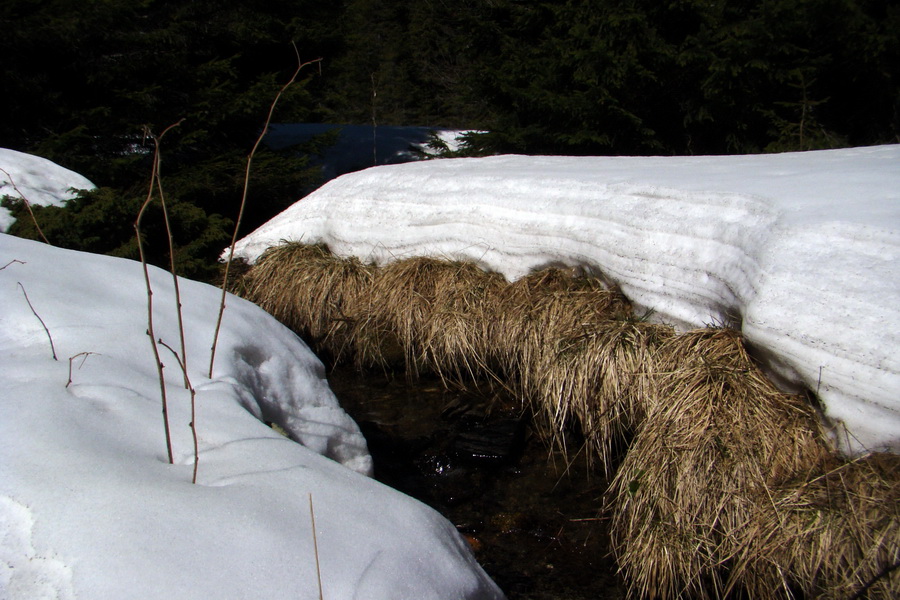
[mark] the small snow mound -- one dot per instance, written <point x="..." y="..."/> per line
<point x="301" y="404"/>
<point x="38" y="180"/>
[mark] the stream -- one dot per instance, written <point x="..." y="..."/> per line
<point x="532" y="518"/>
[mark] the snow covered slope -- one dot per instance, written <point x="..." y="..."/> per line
<point x="38" y="179"/>
<point x="800" y="250"/>
<point x="90" y="507"/>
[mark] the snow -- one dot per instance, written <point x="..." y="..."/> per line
<point x="90" y="506"/>
<point x="39" y="180"/>
<point x="799" y="250"/>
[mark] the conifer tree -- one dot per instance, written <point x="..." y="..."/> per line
<point x="88" y="78"/>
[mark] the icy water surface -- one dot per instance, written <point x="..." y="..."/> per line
<point x="532" y="519"/>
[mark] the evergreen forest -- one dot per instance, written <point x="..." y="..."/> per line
<point x="89" y="84"/>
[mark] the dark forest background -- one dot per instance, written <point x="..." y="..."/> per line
<point x="83" y="80"/>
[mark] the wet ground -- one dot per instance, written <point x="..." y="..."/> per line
<point x="531" y="516"/>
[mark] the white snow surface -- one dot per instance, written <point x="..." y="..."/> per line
<point x="90" y="506"/>
<point x="39" y="180"/>
<point x="799" y="250"/>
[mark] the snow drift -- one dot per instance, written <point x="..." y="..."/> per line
<point x="90" y="507"/>
<point x="799" y="250"/>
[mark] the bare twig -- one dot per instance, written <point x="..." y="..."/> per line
<point x="374" y="121"/>
<point x="52" y="347"/>
<point x="27" y="205"/>
<point x="193" y="423"/>
<point x="237" y="224"/>
<point x="71" y="358"/>
<point x="312" y="516"/>
<point x="150" y="332"/>
<point x="15" y="260"/>
<point x="162" y="201"/>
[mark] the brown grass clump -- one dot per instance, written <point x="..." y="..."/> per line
<point x="456" y="339"/>
<point x="570" y="349"/>
<point x="436" y="311"/>
<point x="716" y="438"/>
<point x="311" y="291"/>
<point x="597" y="380"/>
<point x="532" y="313"/>
<point x="837" y="535"/>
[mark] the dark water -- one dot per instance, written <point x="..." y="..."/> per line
<point x="531" y="516"/>
<point x="354" y="147"/>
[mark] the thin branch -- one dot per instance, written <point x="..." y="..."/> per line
<point x="150" y="331"/>
<point x="162" y="201"/>
<point x="193" y="423"/>
<point x="15" y="260"/>
<point x="882" y="574"/>
<point x="71" y="358"/>
<point x="312" y="516"/>
<point x="44" y="325"/>
<point x="27" y="205"/>
<point x="237" y="224"/>
<point x="374" y="121"/>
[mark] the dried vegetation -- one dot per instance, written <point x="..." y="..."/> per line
<point x="722" y="486"/>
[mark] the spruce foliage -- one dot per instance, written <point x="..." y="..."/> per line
<point x="91" y="80"/>
<point x="84" y="81"/>
<point x="640" y="77"/>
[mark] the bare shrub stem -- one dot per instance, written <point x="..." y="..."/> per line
<point x="165" y="210"/>
<point x="237" y="224"/>
<point x="15" y="260"/>
<point x="150" y="331"/>
<point x="44" y="325"/>
<point x="27" y="206"/>
<point x="312" y="516"/>
<point x="193" y="423"/>
<point x="72" y="358"/>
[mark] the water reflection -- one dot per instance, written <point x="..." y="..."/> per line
<point x="532" y="518"/>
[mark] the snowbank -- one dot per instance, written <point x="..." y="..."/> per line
<point x="799" y="250"/>
<point x="90" y="507"/>
<point x="38" y="179"/>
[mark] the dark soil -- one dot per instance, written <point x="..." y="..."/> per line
<point x="532" y="517"/>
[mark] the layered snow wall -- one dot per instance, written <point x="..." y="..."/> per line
<point x="799" y="250"/>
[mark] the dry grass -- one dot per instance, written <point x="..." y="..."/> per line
<point x="686" y="499"/>
<point x="726" y="487"/>
<point x="598" y="380"/>
<point x="312" y="292"/>
<point x="542" y="333"/>
<point x="531" y="314"/>
<point x="838" y="534"/>
<point x="436" y="310"/>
